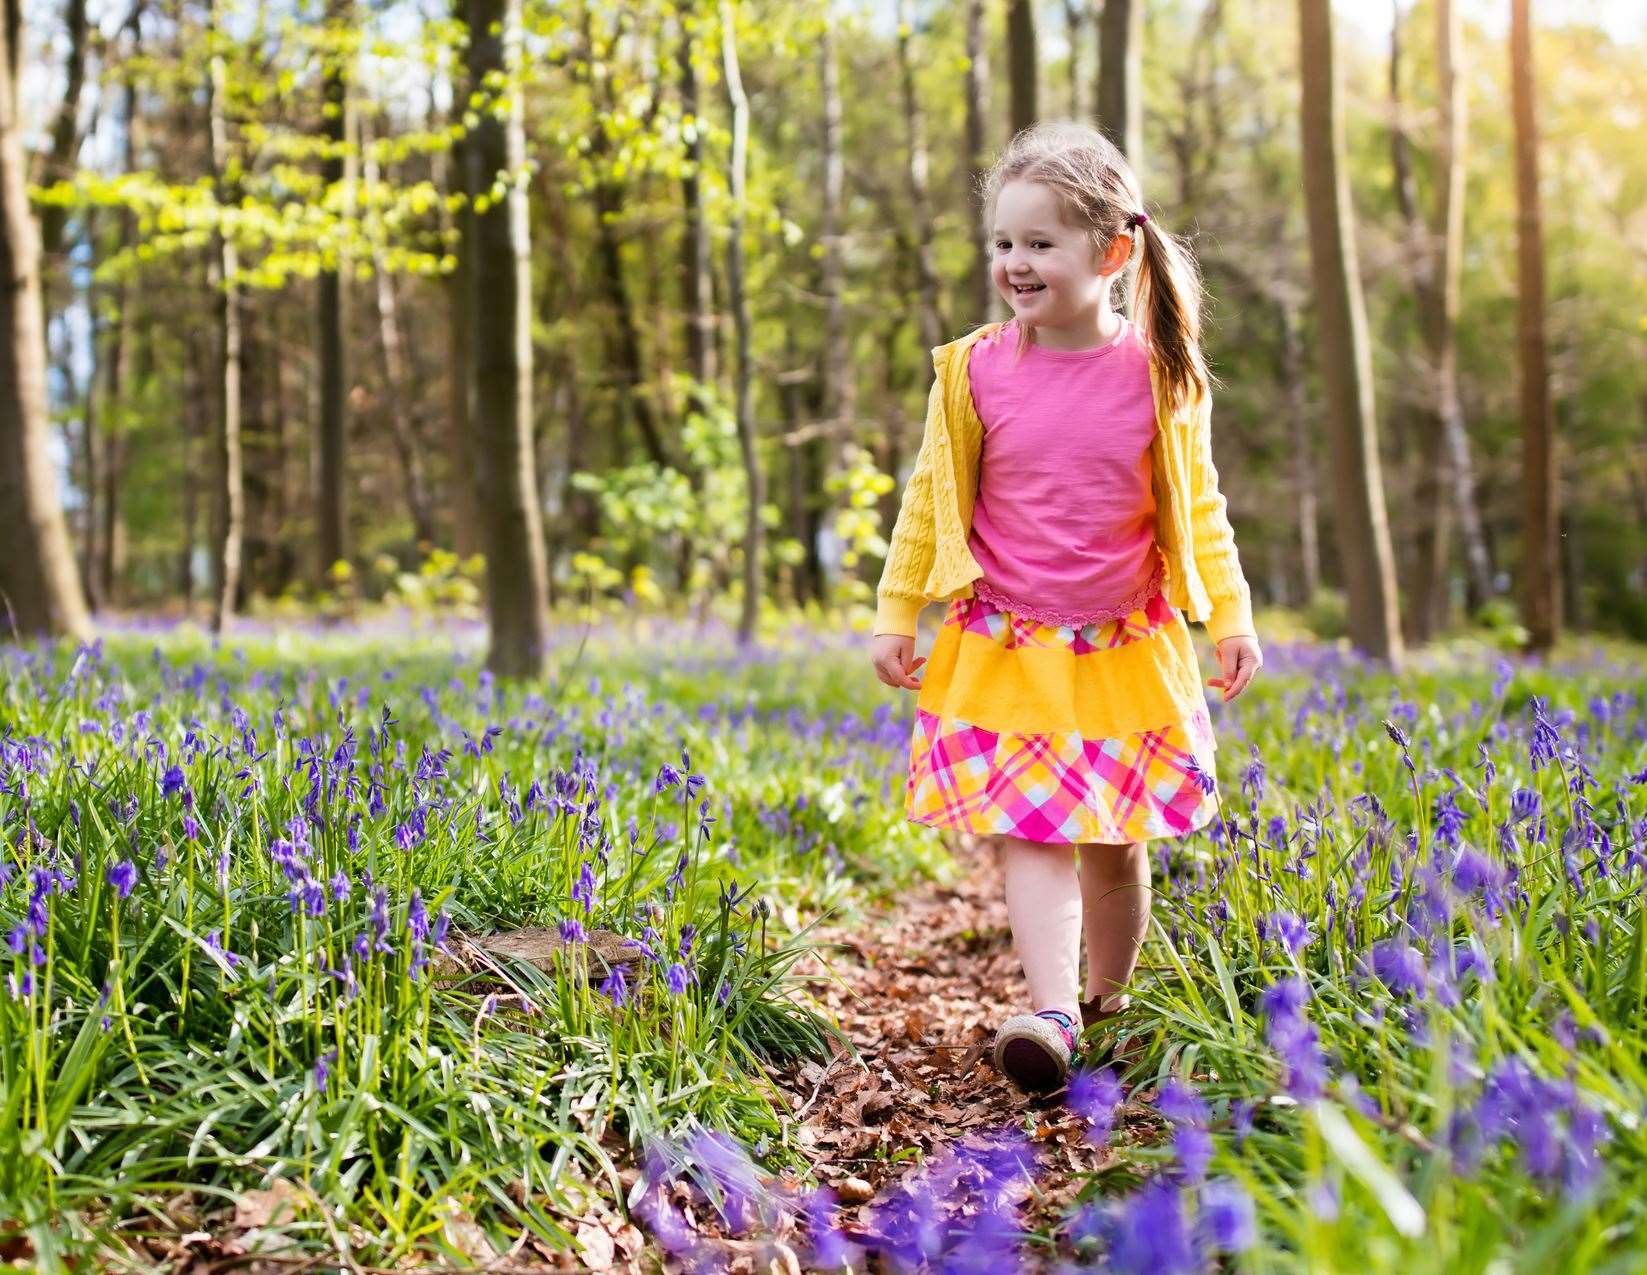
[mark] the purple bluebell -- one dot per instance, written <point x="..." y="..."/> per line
<point x="1147" y="1233"/>
<point x="1224" y="1220"/>
<point x="1180" y="1103"/>
<point x="122" y="875"/>
<point x="1399" y="965"/>
<point x="1289" y="929"/>
<point x="615" y="986"/>
<point x="583" y="891"/>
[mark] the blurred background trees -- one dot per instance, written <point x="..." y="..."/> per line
<point x="327" y="289"/>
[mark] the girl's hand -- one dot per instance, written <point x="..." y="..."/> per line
<point x="891" y="653"/>
<point x="1240" y="658"/>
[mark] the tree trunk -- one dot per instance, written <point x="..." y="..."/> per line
<point x="331" y="503"/>
<point x="1541" y="584"/>
<point x="1120" y="56"/>
<point x="1303" y="450"/>
<point x="501" y="349"/>
<point x="39" y="586"/>
<point x="450" y="176"/>
<point x="196" y="387"/>
<point x="1446" y="483"/>
<point x="985" y="300"/>
<point x="1023" y="62"/>
<point x="397" y="411"/>
<point x="57" y="163"/>
<point x="695" y="247"/>
<point x="111" y="536"/>
<point x="814" y="459"/>
<point x="230" y="504"/>
<point x="89" y="483"/>
<point x="1075" y="28"/>
<point x="926" y="271"/>
<point x="1359" y="517"/>
<point x="753" y="553"/>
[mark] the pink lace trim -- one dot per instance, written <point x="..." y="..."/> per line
<point x="1073" y="620"/>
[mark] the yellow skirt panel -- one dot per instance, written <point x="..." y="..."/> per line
<point x="1007" y="681"/>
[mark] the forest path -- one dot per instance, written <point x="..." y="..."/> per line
<point x="919" y="986"/>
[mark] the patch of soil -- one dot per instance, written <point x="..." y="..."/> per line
<point x="920" y="992"/>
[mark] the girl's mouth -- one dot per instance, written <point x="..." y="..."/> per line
<point x="1028" y="290"/>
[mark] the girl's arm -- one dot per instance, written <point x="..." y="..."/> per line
<point x="899" y="598"/>
<point x="1216" y="559"/>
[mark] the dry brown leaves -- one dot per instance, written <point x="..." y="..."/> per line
<point x="920" y="992"/>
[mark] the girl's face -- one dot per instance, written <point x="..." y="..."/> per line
<point x="1045" y="268"/>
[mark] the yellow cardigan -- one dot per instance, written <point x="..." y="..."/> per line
<point x="928" y="559"/>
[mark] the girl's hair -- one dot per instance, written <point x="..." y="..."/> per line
<point x="1098" y="193"/>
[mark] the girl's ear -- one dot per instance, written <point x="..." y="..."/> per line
<point x="1119" y="252"/>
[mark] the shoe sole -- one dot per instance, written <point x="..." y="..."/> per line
<point x="1029" y="1065"/>
<point x="1030" y="1052"/>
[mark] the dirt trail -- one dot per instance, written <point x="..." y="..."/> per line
<point x="925" y="985"/>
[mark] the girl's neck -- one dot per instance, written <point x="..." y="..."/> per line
<point x="1103" y="326"/>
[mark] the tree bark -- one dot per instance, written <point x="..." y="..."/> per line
<point x="1359" y="517"/>
<point x="695" y="247"/>
<point x="753" y="552"/>
<point x="111" y="536"/>
<point x="39" y="586"/>
<point x="814" y="459"/>
<point x="331" y="499"/>
<point x="57" y="163"/>
<point x="451" y="177"/>
<point x="926" y="271"/>
<point x="1298" y="428"/>
<point x="501" y="351"/>
<point x="1023" y="63"/>
<point x="230" y="504"/>
<point x="1075" y="28"/>
<point x="985" y="300"/>
<point x="1541" y="581"/>
<point x="1445" y="482"/>
<point x="396" y="401"/>
<point x="1120" y="57"/>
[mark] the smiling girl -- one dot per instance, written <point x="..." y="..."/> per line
<point x="1065" y="504"/>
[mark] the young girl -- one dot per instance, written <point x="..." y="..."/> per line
<point x="1065" y="503"/>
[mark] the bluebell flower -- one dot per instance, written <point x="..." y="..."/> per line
<point x="1180" y="1103"/>
<point x="122" y="875"/>
<point x="1224" y="1220"/>
<point x="583" y="891"/>
<point x="677" y="979"/>
<point x="1148" y="1235"/>
<point x="1095" y="1095"/>
<point x="615" y="986"/>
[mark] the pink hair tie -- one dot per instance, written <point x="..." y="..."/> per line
<point x="1138" y="219"/>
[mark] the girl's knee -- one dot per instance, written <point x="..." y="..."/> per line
<point x="1115" y="858"/>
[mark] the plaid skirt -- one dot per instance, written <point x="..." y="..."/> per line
<point x="1057" y="734"/>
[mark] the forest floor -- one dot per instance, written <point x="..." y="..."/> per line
<point x="919" y="987"/>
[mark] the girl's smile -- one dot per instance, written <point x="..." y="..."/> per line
<point x="1047" y="271"/>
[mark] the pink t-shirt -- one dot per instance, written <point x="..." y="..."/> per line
<point x="1064" y="523"/>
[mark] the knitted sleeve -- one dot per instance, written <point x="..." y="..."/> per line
<point x="899" y="598"/>
<point x="1216" y="559"/>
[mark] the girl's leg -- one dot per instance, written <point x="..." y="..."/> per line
<point x="1043" y="899"/>
<point x="1115" y="903"/>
